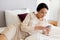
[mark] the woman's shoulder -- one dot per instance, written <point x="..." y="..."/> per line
<point x="32" y="14"/>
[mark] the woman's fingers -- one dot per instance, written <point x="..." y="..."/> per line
<point x="36" y="28"/>
<point x="39" y="28"/>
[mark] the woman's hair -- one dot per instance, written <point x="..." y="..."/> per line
<point x="41" y="5"/>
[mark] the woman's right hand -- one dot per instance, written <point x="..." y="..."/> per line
<point x="46" y="31"/>
<point x="39" y="28"/>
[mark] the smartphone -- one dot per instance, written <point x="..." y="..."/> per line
<point x="48" y="26"/>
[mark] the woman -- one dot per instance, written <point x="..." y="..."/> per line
<point x="36" y="23"/>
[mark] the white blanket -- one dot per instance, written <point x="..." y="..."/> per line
<point x="9" y="31"/>
<point x="54" y="35"/>
<point x="2" y="28"/>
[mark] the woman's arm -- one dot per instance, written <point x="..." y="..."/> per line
<point x="39" y="28"/>
<point x="25" y="24"/>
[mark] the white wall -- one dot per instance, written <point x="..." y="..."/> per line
<point x="54" y="9"/>
<point x="59" y="15"/>
<point x="17" y="4"/>
<point x="59" y="18"/>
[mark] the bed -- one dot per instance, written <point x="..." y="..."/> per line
<point x="12" y="19"/>
<point x="54" y="35"/>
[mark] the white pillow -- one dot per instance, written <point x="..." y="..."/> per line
<point x="11" y="16"/>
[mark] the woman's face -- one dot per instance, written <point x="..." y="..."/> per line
<point x="42" y="12"/>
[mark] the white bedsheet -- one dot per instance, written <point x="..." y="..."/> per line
<point x="38" y="36"/>
<point x="54" y="35"/>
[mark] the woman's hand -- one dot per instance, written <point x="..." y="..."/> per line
<point x="39" y="28"/>
<point x="46" y="31"/>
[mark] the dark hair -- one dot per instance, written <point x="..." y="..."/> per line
<point x="41" y="5"/>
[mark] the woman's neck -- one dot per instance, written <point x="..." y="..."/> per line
<point x="39" y="17"/>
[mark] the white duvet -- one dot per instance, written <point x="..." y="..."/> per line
<point x="54" y="35"/>
<point x="2" y="28"/>
<point x="9" y="31"/>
